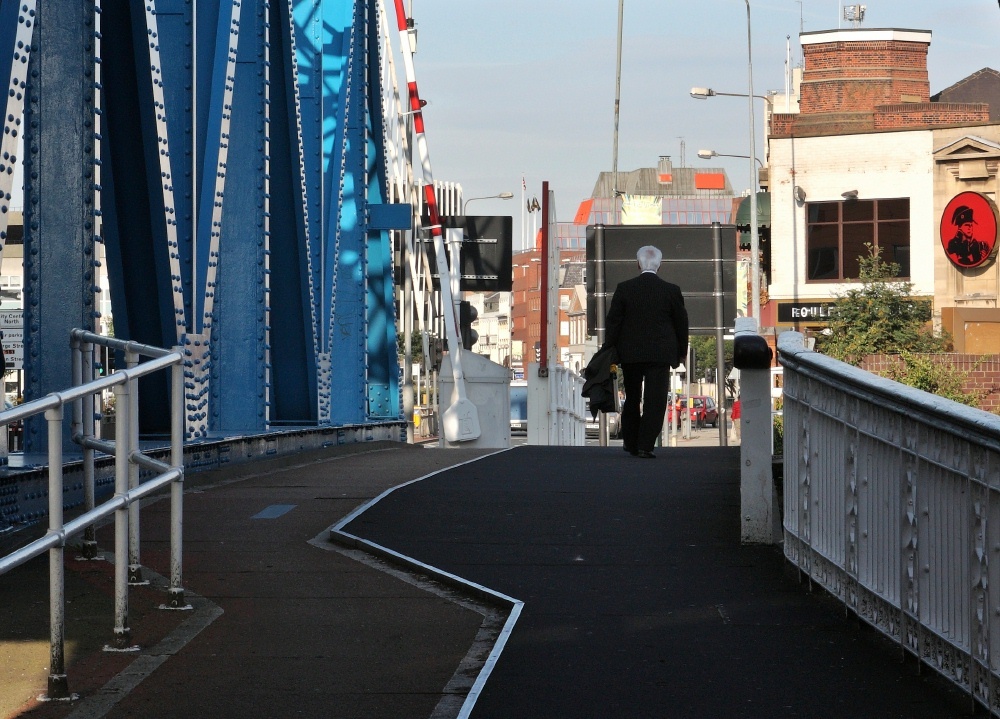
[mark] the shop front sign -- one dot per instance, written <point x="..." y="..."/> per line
<point x="969" y="230"/>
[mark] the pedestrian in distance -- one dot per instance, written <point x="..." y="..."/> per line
<point x="647" y="324"/>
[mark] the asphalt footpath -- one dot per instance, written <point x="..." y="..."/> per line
<point x="282" y="622"/>
<point x="634" y="598"/>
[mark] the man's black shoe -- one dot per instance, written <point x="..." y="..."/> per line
<point x="631" y="451"/>
<point x="643" y="454"/>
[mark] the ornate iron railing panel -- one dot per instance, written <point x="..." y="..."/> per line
<point x="892" y="504"/>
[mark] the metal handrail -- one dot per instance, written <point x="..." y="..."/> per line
<point x="124" y="505"/>
<point x="891" y="504"/>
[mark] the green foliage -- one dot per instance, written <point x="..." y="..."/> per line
<point x="934" y="376"/>
<point x="416" y="347"/>
<point x="704" y="352"/>
<point x="879" y="317"/>
<point x="778" y="428"/>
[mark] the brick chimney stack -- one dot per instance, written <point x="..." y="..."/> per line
<point x="860" y="80"/>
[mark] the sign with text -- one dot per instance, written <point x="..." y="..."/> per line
<point x="811" y="312"/>
<point x="11" y="319"/>
<point x="13" y="347"/>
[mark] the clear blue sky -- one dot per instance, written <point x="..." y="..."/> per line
<point x="527" y="86"/>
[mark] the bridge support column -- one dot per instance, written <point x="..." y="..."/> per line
<point x="759" y="513"/>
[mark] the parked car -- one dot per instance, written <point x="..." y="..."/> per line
<point x="614" y="425"/>
<point x="518" y="408"/>
<point x="704" y="411"/>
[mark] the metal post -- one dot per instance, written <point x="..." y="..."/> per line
<point x="134" y="565"/>
<point x="720" y="348"/>
<point x="176" y="590"/>
<point x="122" y="633"/>
<point x="89" y="547"/>
<point x="618" y="94"/>
<point x="600" y="312"/>
<point x="58" y="686"/>
<point x="543" y="281"/>
<point x="754" y="234"/>
<point x="407" y="297"/>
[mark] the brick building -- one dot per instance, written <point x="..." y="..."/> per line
<point x="526" y="305"/>
<point x="871" y="157"/>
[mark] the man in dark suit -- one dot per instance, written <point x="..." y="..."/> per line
<point x="648" y="326"/>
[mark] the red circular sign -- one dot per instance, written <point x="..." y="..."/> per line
<point x="969" y="229"/>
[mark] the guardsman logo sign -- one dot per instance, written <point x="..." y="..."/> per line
<point x="969" y="230"/>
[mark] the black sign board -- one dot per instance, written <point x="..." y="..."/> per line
<point x="810" y="312"/>
<point x="487" y="246"/>
<point x="688" y="261"/>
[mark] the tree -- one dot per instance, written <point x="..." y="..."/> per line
<point x="879" y="317"/>
<point x="704" y="353"/>
<point x="416" y="347"/>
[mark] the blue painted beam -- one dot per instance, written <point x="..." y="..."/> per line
<point x="382" y="362"/>
<point x="242" y="194"/>
<point x="59" y="208"/>
<point x="240" y="372"/>
<point x="349" y="161"/>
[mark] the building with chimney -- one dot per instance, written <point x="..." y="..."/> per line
<point x="872" y="158"/>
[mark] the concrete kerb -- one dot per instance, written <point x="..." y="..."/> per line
<point x="337" y="535"/>
<point x="203" y="613"/>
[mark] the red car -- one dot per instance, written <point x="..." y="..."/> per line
<point x="704" y="411"/>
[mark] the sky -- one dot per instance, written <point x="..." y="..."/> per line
<point x="527" y="87"/>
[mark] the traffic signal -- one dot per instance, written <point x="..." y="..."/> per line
<point x="467" y="314"/>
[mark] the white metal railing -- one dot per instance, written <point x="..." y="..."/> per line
<point x="568" y="408"/>
<point x="892" y="503"/>
<point x="557" y="412"/>
<point x="124" y="504"/>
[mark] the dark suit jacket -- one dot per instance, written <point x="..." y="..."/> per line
<point x="599" y="386"/>
<point x="647" y="321"/>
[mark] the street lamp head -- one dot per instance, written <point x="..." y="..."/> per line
<point x="501" y="196"/>
<point x="701" y="93"/>
<point x="707" y="154"/>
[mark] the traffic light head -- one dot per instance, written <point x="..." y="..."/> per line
<point x="467" y="314"/>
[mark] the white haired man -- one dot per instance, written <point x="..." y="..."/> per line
<point x="648" y="326"/>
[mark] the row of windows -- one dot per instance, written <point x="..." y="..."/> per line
<point x="670" y="217"/>
<point x="837" y="235"/>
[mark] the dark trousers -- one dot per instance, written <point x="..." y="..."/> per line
<point x="646" y="384"/>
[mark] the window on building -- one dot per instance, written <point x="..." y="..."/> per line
<point x="837" y="232"/>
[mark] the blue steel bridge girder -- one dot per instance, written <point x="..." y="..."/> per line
<point x="241" y="162"/>
<point x="382" y="369"/>
<point x="59" y="212"/>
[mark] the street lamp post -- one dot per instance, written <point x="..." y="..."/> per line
<point x="754" y="237"/>
<point x="703" y="93"/>
<point x="501" y="196"/>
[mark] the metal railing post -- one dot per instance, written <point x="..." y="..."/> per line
<point x="58" y="685"/>
<point x="86" y="428"/>
<point x="134" y="563"/>
<point x="122" y="633"/>
<point x="176" y="590"/>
